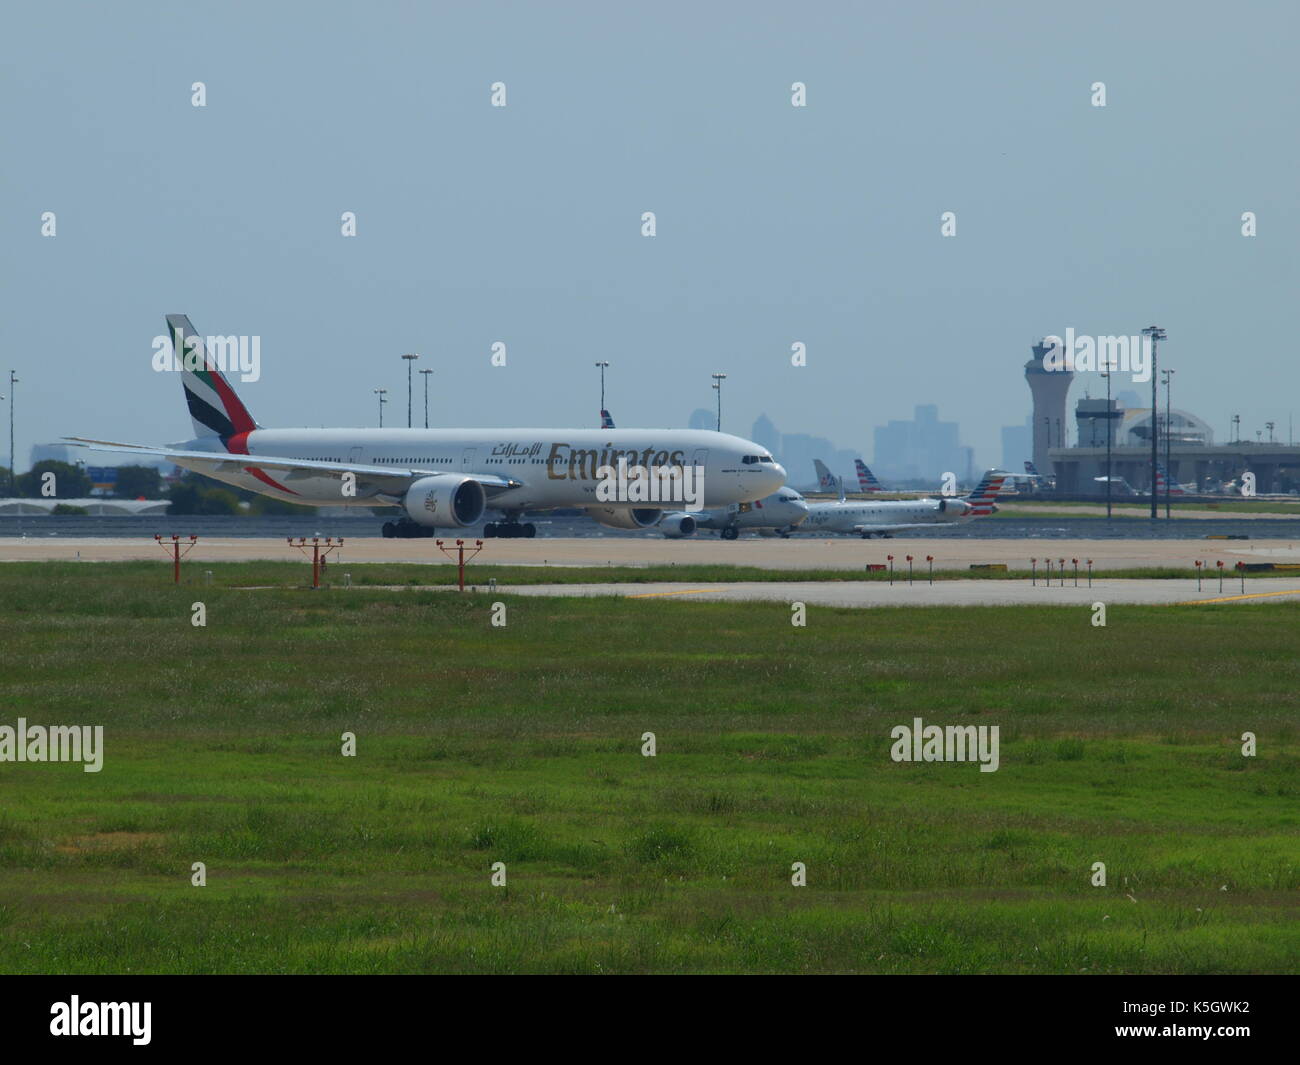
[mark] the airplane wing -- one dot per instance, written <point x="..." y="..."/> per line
<point x="894" y="528"/>
<point x="225" y="461"/>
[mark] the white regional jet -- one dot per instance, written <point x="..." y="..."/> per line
<point x="774" y="515"/>
<point x="886" y="517"/>
<point x="446" y="478"/>
<point x="777" y="514"/>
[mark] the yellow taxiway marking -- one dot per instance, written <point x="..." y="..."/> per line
<point x="689" y="591"/>
<point x="1247" y="595"/>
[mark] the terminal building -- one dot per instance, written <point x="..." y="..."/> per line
<point x="1195" y="462"/>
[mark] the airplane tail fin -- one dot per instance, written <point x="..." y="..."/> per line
<point x="214" y="408"/>
<point x="606" y="420"/>
<point x="1163" y="484"/>
<point x="866" y="479"/>
<point x="985" y="493"/>
<point x="827" y="481"/>
<point x="1031" y="469"/>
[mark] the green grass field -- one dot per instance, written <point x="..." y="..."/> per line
<point x="479" y="744"/>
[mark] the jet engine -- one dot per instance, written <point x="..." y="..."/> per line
<point x="625" y="517"/>
<point x="955" y="506"/>
<point x="675" y="526"/>
<point x="445" y="499"/>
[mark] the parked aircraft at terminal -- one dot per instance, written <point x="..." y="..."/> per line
<point x="829" y="482"/>
<point x="866" y="479"/>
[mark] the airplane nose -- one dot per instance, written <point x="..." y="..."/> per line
<point x="778" y="472"/>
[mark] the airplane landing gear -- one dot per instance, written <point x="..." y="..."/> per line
<point x="730" y="532"/>
<point x="509" y="529"/>
<point x="405" y="529"/>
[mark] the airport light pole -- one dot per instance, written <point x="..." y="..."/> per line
<point x="13" y="482"/>
<point x="1156" y="334"/>
<point x="1236" y="429"/>
<point x="1169" y="469"/>
<point x="410" y="361"/>
<point x="1108" y="434"/>
<point x="425" y="374"/>
<point x="1269" y="427"/>
<point x="381" y="393"/>
<point x="602" y="366"/>
<point x="718" y="378"/>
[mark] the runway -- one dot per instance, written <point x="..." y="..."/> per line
<point x="941" y="593"/>
<point x="842" y="553"/>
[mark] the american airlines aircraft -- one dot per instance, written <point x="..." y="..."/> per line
<point x="776" y="514"/>
<point x="886" y="517"/>
<point x="1173" y="489"/>
<point x="866" y="479"/>
<point x="828" y="482"/>
<point x="447" y="478"/>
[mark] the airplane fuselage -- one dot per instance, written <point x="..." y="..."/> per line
<point x="783" y="509"/>
<point x="554" y="467"/>
<point x="848" y="516"/>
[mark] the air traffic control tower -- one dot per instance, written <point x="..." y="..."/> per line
<point x="1049" y="389"/>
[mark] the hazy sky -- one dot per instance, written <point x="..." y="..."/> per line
<point x="522" y="224"/>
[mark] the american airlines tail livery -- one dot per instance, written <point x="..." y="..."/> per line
<point x="827" y="481"/>
<point x="445" y="478"/>
<point x="866" y="479"/>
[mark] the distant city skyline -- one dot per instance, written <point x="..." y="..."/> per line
<point x="816" y="227"/>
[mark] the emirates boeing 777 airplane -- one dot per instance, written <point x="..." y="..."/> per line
<point x="449" y="478"/>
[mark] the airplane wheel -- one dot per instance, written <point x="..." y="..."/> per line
<point x="489" y="530"/>
<point x="530" y="530"/>
<point x="730" y="533"/>
<point x="388" y="530"/>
